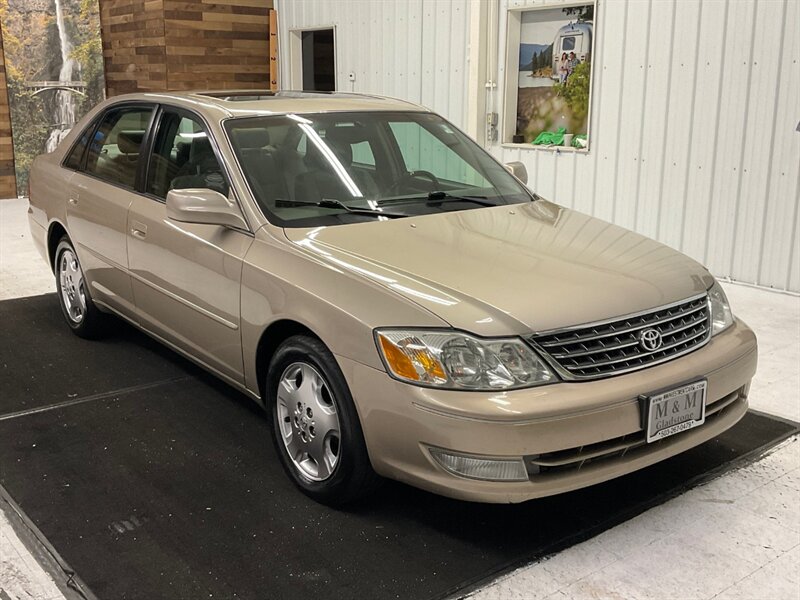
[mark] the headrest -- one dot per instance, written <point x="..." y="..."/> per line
<point x="315" y="159"/>
<point x="201" y="148"/>
<point x="252" y="137"/>
<point x="341" y="148"/>
<point x="129" y="142"/>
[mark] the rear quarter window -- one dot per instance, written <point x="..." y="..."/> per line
<point x="74" y="159"/>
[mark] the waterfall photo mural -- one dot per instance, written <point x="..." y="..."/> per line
<point x="54" y="67"/>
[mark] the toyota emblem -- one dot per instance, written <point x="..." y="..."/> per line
<point x="650" y="339"/>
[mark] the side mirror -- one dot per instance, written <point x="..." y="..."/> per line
<point x="204" y="207"/>
<point x="518" y="170"/>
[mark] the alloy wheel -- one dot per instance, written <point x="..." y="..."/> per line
<point x="71" y="286"/>
<point x="309" y="422"/>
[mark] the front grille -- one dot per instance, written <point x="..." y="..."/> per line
<point x="614" y="347"/>
<point x="553" y="463"/>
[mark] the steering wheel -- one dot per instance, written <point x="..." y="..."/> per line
<point x="395" y="187"/>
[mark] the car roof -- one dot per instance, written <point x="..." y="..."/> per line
<point x="237" y="103"/>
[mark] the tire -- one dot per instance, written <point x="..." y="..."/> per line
<point x="83" y="317"/>
<point x="315" y="426"/>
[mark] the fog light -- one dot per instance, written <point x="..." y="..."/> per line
<point x="481" y="467"/>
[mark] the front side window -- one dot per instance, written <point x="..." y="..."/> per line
<point x="183" y="158"/>
<point x="114" y="152"/>
<point x="335" y="168"/>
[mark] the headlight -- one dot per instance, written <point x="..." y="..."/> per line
<point x="454" y="360"/>
<point x="721" y="316"/>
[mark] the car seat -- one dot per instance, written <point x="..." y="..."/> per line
<point x="202" y="170"/>
<point x="321" y="179"/>
<point x="259" y="163"/>
<point x="121" y="168"/>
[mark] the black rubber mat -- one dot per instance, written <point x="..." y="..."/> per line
<point x="173" y="490"/>
<point x="42" y="362"/>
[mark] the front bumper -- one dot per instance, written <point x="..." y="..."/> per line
<point x="568" y="428"/>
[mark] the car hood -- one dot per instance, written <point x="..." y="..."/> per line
<point x="511" y="269"/>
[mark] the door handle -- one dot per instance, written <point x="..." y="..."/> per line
<point x="139" y="230"/>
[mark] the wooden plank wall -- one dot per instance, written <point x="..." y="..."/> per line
<point x="134" y="51"/>
<point x="8" y="181"/>
<point x="158" y="45"/>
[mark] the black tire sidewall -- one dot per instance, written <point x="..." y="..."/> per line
<point x="342" y="485"/>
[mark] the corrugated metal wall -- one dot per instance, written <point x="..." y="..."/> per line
<point x="414" y="50"/>
<point x="694" y="106"/>
<point x="694" y="110"/>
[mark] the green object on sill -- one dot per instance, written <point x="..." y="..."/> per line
<point x="550" y="138"/>
<point x="580" y="141"/>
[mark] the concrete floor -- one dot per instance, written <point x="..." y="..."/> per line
<point x="735" y="537"/>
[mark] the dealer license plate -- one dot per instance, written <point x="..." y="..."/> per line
<point x="676" y="410"/>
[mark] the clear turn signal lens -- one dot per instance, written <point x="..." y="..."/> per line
<point x="480" y="467"/>
<point x="721" y="315"/>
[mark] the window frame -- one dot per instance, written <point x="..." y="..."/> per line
<point x="93" y="128"/>
<point x="149" y="142"/>
<point x="142" y="146"/>
<point x="508" y="121"/>
<point x="182" y="113"/>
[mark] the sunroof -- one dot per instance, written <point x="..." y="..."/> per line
<point x="240" y="96"/>
<point x="256" y="95"/>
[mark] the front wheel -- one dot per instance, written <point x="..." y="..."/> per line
<point x="315" y="426"/>
<point x="82" y="316"/>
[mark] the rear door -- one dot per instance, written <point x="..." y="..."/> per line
<point x="100" y="193"/>
<point x="186" y="278"/>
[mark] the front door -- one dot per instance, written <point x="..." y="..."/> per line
<point x="187" y="278"/>
<point x="100" y="194"/>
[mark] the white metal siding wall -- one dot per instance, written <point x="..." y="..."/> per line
<point x="695" y="105"/>
<point x="415" y="50"/>
<point x="693" y="141"/>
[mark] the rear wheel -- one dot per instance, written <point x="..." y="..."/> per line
<point x="82" y="316"/>
<point x="315" y="427"/>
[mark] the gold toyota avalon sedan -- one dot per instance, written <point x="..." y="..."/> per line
<point x="399" y="302"/>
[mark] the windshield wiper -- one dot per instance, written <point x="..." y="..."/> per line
<point x="333" y="203"/>
<point x="439" y="197"/>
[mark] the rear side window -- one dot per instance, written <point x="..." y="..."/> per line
<point x="114" y="151"/>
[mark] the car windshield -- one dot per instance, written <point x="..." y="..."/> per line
<point x="335" y="168"/>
